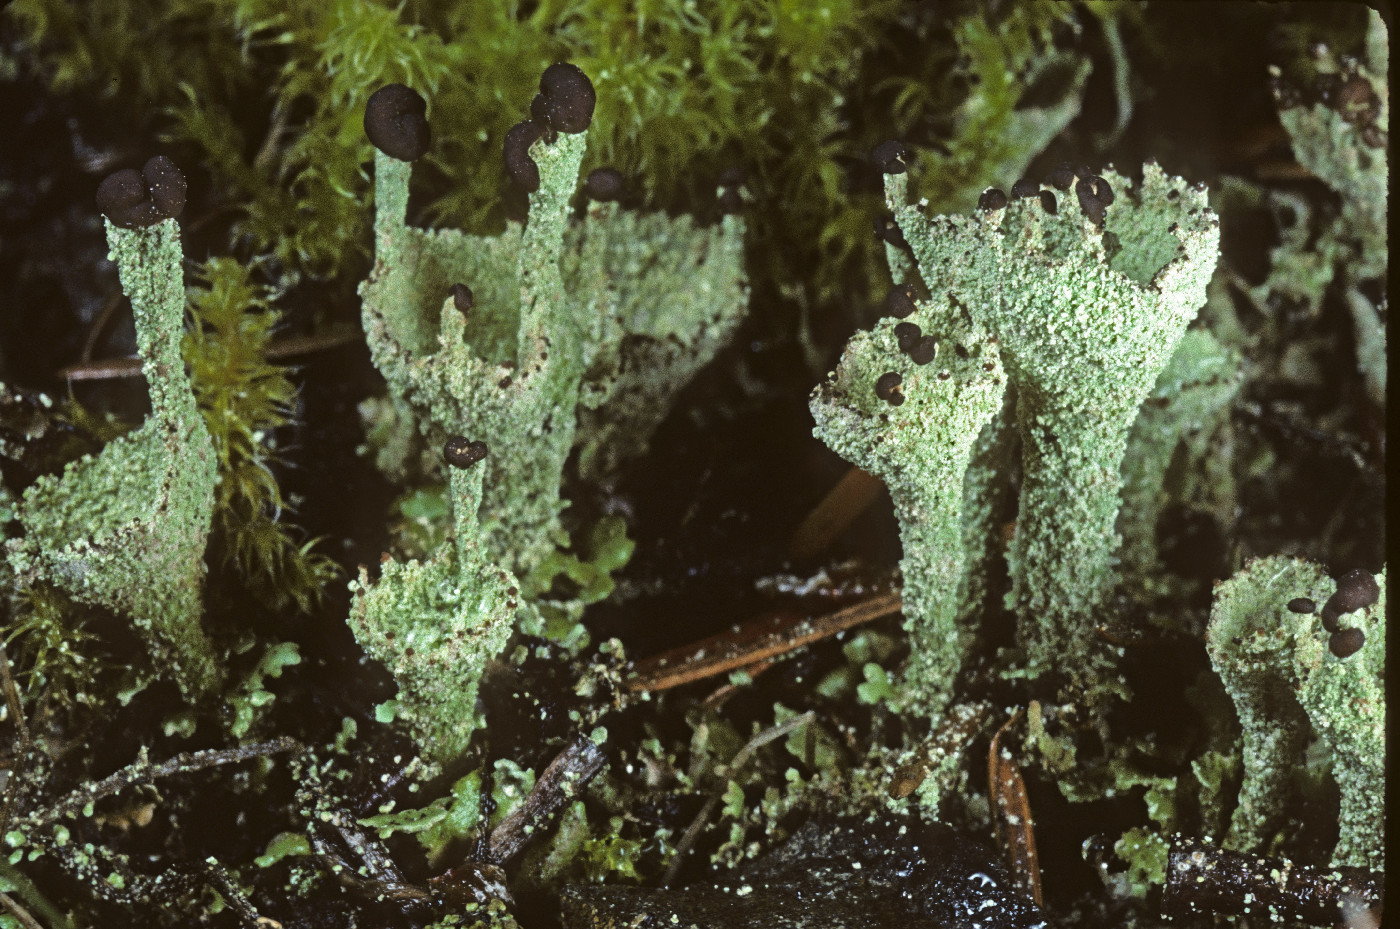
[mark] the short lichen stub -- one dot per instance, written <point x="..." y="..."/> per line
<point x="1294" y="671"/>
<point x="435" y="624"/>
<point x="917" y="435"/>
<point x="140" y="553"/>
<point x="561" y="316"/>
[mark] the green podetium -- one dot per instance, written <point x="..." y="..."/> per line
<point x="126" y="528"/>
<point x="1088" y="310"/>
<point x="1293" y="673"/>
<point x="1169" y="455"/>
<point x="436" y="624"/>
<point x="906" y="403"/>
<point x="561" y="334"/>
<point x="1084" y="319"/>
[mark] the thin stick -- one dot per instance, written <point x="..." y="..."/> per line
<point x="692" y="832"/>
<point x="560" y="782"/>
<point x="219" y="878"/>
<point x="13" y="907"/>
<point x="112" y="368"/>
<point x="722" y="693"/>
<point x="143" y="771"/>
<point x="1011" y="815"/>
<point x="99" y="324"/>
<point x="838" y="509"/>
<point x="764" y="638"/>
<point x="12" y="701"/>
<point x="16" y="711"/>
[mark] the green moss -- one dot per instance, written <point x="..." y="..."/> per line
<point x="1019" y="91"/>
<point x="244" y="400"/>
<point x="48" y="640"/>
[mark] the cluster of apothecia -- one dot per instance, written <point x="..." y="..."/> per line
<point x="134" y="200"/>
<point x="564" y="104"/>
<point x="892" y="157"/>
<point x="1356" y="590"/>
<point x="1093" y="192"/>
<point x="1347" y="91"/>
<point x="920" y="348"/>
<point x="396" y="123"/>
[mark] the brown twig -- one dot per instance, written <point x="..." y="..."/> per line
<point x="1015" y="829"/>
<point x="20" y="914"/>
<point x="770" y="635"/>
<point x="144" y="771"/>
<point x="287" y="347"/>
<point x="834" y="514"/>
<point x="560" y="782"/>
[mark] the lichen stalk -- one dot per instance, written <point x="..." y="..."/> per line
<point x="390" y="200"/>
<point x="595" y="324"/>
<point x="139" y="551"/>
<point x="1287" y="682"/>
<point x="1086" y="333"/>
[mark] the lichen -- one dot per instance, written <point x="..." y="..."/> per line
<point x="1174" y="435"/>
<point x="1087" y="321"/>
<point x="921" y="447"/>
<point x="435" y="624"/>
<point x="138" y="552"/>
<point x="1288" y="685"/>
<point x="1084" y="319"/>
<point x="581" y="334"/>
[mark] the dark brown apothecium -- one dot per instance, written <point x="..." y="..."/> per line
<point x="462" y="297"/>
<point x="396" y="122"/>
<point x="604" y="185"/>
<point x="993" y="198"/>
<point x="899" y="302"/>
<point x="887" y="388"/>
<point x="924" y="351"/>
<point x="519" y="165"/>
<point x="566" y="98"/>
<point x="459" y="452"/>
<point x="134" y="200"/>
<point x="890" y="157"/>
